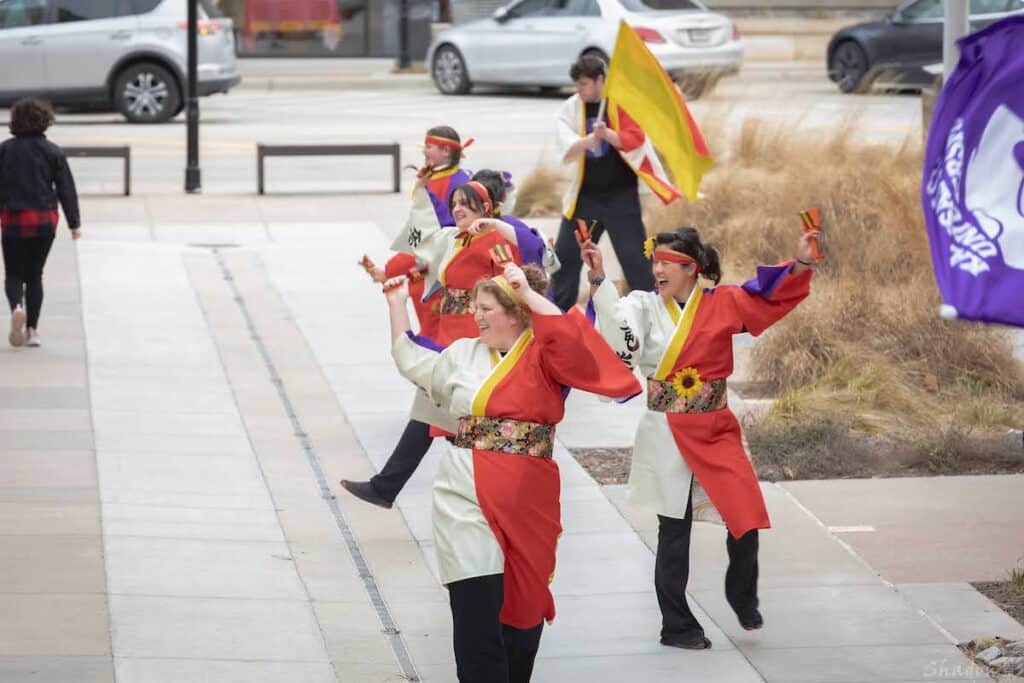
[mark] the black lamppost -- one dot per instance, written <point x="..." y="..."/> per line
<point x="403" y="34"/>
<point x="192" y="174"/>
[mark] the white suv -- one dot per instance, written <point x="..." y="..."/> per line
<point x="129" y="55"/>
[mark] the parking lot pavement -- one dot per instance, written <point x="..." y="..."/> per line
<point x="513" y="130"/>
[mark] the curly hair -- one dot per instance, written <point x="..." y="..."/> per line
<point x="538" y="281"/>
<point x="31" y="116"/>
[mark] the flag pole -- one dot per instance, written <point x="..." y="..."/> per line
<point x="600" y="110"/>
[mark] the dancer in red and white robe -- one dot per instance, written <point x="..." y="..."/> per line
<point x="496" y="514"/>
<point x="688" y="443"/>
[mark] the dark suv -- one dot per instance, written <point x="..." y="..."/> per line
<point x="125" y="55"/>
<point x="893" y="51"/>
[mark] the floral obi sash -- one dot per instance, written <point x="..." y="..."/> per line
<point x="515" y="437"/>
<point x="456" y="301"/>
<point x="686" y="393"/>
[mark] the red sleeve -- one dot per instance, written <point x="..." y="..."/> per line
<point x="765" y="299"/>
<point x="399" y="264"/>
<point x="631" y="135"/>
<point x="575" y="355"/>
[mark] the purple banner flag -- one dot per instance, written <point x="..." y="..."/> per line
<point x="973" y="185"/>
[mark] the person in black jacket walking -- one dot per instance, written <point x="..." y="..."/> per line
<point x="34" y="175"/>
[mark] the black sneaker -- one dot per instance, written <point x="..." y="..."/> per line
<point x="364" y="491"/>
<point x="751" y="620"/>
<point x="698" y="643"/>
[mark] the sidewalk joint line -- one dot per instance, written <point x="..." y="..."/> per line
<point x="390" y="628"/>
<point x="854" y="554"/>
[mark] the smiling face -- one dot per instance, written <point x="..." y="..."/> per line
<point x="674" y="279"/>
<point x="498" y="328"/>
<point x="462" y="212"/>
<point x="436" y="155"/>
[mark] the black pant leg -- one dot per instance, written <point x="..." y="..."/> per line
<point x="672" y="573"/>
<point x="37" y="250"/>
<point x="14" y="258"/>
<point x="565" y="283"/>
<point x="625" y="224"/>
<point x="741" y="576"/>
<point x="408" y="453"/>
<point x="479" y="643"/>
<point x="521" y="647"/>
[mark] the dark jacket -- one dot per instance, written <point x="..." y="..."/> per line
<point x="34" y="174"/>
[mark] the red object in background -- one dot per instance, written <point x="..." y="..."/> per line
<point x="293" y="16"/>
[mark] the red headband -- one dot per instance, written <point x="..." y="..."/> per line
<point x="447" y="142"/>
<point x="481" y="191"/>
<point x="672" y="256"/>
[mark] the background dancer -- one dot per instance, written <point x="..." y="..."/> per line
<point x="384" y="487"/>
<point x="457" y="258"/>
<point x="34" y="176"/>
<point x="441" y="173"/>
<point x="681" y="339"/>
<point x="496" y="542"/>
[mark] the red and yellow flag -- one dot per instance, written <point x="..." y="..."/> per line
<point x="638" y="84"/>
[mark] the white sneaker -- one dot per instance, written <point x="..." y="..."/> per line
<point x="17" y="335"/>
<point x="32" y="338"/>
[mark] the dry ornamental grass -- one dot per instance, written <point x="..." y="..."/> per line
<point x="870" y="380"/>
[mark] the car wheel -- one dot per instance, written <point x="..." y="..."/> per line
<point x="147" y="93"/>
<point x="849" y="65"/>
<point x="449" y="72"/>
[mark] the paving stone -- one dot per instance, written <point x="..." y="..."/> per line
<point x="56" y="669"/>
<point x="65" y="625"/>
<point x="54" y="519"/>
<point x="47" y="468"/>
<point x="52" y="565"/>
<point x="133" y="670"/>
<point x="201" y="568"/>
<point x="228" y="629"/>
<point x="206" y="523"/>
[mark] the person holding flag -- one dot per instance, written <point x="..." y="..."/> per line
<point x="607" y="134"/>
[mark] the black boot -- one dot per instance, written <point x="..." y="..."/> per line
<point x="364" y="490"/>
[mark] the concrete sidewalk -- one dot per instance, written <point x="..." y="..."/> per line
<point x="169" y="481"/>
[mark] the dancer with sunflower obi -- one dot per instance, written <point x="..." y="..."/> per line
<point x="688" y="442"/>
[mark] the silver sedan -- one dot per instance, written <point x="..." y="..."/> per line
<point x="533" y="42"/>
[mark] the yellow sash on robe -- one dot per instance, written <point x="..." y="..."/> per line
<point x="500" y="369"/>
<point x="684" y="322"/>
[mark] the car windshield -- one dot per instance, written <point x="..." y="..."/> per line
<point x="659" y="5"/>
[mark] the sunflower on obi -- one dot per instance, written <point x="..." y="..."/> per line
<point x="687" y="383"/>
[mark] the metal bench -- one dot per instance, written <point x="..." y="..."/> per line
<point x="393" y="150"/>
<point x="107" y="151"/>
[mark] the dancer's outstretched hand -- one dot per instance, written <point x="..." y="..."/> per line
<point x="805" y="247"/>
<point x="396" y="290"/>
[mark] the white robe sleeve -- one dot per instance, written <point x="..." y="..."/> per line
<point x="621" y="321"/>
<point x="567" y="128"/>
<point x="427" y="369"/>
<point x="424" y="237"/>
